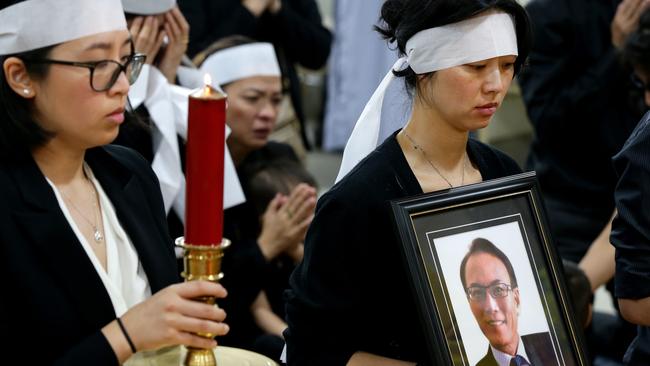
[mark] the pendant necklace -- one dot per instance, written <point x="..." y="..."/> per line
<point x="97" y="235"/>
<point x="424" y="155"/>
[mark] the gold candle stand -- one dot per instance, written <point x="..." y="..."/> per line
<point x="202" y="262"/>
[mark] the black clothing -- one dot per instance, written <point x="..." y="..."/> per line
<point x="296" y="32"/>
<point x="539" y="350"/>
<point x="578" y="99"/>
<point x="51" y="289"/>
<point x="246" y="270"/>
<point x="351" y="291"/>
<point x="631" y="228"/>
<point x="136" y="133"/>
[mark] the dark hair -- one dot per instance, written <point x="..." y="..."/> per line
<point x="402" y="19"/>
<point x="277" y="176"/>
<point x="221" y="44"/>
<point x="19" y="132"/>
<point x="480" y="245"/>
<point x="636" y="51"/>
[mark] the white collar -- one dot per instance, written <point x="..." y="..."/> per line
<point x="503" y="359"/>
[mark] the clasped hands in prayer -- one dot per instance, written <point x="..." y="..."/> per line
<point x="285" y="222"/>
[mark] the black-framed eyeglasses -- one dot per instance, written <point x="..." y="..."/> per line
<point x="497" y="291"/>
<point x="104" y="73"/>
<point x="638" y="83"/>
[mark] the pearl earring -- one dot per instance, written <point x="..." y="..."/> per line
<point x="26" y="91"/>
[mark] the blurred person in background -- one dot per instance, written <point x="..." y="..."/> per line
<point x="350" y="83"/>
<point x="583" y="107"/>
<point x="294" y="27"/>
<point x="631" y="228"/>
<point x="268" y="180"/>
<point x="160" y="32"/>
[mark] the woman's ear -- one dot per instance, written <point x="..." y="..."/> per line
<point x="18" y="78"/>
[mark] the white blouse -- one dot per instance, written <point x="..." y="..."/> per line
<point x="124" y="278"/>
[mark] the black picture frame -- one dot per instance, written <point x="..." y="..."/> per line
<point x="435" y="230"/>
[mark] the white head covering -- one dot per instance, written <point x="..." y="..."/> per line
<point x="239" y="62"/>
<point x="148" y="7"/>
<point x="34" y="24"/>
<point x="482" y="37"/>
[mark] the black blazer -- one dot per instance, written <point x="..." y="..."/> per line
<point x="54" y="304"/>
<point x="538" y="348"/>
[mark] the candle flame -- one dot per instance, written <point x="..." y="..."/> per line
<point x="207" y="80"/>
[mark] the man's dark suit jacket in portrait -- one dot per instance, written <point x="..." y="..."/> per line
<point x="538" y="348"/>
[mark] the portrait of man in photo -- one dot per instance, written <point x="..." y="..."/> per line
<point x="491" y="288"/>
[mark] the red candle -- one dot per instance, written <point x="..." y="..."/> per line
<point x="204" y="166"/>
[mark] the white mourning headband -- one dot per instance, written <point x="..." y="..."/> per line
<point x="147" y="7"/>
<point x="478" y="38"/>
<point x="239" y="62"/>
<point x="35" y="24"/>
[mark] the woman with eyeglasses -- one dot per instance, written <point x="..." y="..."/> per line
<point x="86" y="258"/>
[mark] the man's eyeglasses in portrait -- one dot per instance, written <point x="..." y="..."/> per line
<point x="479" y="293"/>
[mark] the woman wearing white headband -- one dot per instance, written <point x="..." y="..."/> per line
<point x="83" y="241"/>
<point x="265" y="250"/>
<point x="350" y="300"/>
<point x="162" y="111"/>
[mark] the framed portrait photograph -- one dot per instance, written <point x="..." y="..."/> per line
<point x="486" y="277"/>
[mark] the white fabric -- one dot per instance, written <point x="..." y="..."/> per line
<point x="283" y="355"/>
<point x="124" y="278"/>
<point x="239" y="62"/>
<point x="148" y="7"/>
<point x="189" y="77"/>
<point x="153" y="90"/>
<point x="478" y="38"/>
<point x="34" y="24"/>
<point x="503" y="359"/>
<point x="174" y="102"/>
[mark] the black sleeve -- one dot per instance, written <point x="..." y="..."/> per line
<point x="298" y="29"/>
<point x="553" y="83"/>
<point x="95" y="348"/>
<point x="327" y="288"/>
<point x="631" y="227"/>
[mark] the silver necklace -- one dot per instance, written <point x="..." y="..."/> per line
<point x="424" y="155"/>
<point x="97" y="235"/>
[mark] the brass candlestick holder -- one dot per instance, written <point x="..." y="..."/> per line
<point x="202" y="262"/>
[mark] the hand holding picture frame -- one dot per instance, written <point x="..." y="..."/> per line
<point x="486" y="277"/>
